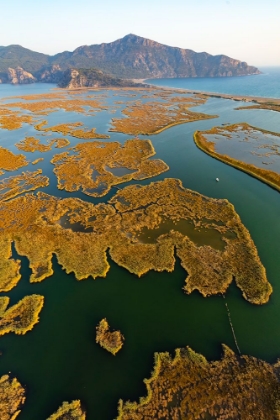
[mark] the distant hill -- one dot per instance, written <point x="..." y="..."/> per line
<point x="79" y="78"/>
<point x="128" y="57"/>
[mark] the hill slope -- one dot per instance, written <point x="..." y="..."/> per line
<point x="128" y="57"/>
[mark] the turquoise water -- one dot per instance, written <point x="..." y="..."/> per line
<point x="266" y="84"/>
<point x="59" y="360"/>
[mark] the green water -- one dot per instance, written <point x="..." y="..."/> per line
<point x="200" y="236"/>
<point x="59" y="360"/>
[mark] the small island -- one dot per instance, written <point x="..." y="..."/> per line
<point x="110" y="341"/>
<point x="12" y="397"/>
<point x="22" y="316"/>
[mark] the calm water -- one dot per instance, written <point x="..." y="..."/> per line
<point x="59" y="360"/>
<point x="266" y="84"/>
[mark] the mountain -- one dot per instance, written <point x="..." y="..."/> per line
<point x="128" y="57"/>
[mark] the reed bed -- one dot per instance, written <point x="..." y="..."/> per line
<point x="12" y="397"/>
<point x="188" y="386"/>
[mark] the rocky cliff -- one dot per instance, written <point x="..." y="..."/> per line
<point x="17" y="76"/>
<point x="79" y="78"/>
<point x="128" y="57"/>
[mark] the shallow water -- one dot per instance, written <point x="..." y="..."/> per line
<point x="200" y="236"/>
<point x="59" y="360"/>
<point x="254" y="147"/>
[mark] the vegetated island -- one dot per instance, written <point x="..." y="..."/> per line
<point x="31" y="144"/>
<point x="69" y="411"/>
<point x="12" y="397"/>
<point x="11" y="120"/>
<point x="18" y="184"/>
<point x="71" y="130"/>
<point x="97" y="166"/>
<point x="262" y="147"/>
<point x="112" y="341"/>
<point x="189" y="387"/>
<point x="156" y="116"/>
<point x="10" y="161"/>
<point x="22" y="316"/>
<point x="206" y="234"/>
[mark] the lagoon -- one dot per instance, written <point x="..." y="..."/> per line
<point x="59" y="359"/>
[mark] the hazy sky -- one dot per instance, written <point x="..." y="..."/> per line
<point x="248" y="30"/>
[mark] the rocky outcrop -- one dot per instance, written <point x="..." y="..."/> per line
<point x="50" y="74"/>
<point x="79" y="78"/>
<point x="19" y="76"/>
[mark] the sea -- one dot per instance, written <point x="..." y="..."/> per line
<point x="59" y="360"/>
<point x="266" y="84"/>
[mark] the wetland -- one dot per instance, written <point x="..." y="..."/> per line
<point x="162" y="241"/>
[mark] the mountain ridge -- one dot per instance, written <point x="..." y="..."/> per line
<point x="130" y="57"/>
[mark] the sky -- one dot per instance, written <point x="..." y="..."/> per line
<point x="248" y="30"/>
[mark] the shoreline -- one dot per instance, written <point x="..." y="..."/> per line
<point x="244" y="98"/>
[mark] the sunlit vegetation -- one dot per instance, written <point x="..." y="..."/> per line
<point x="9" y="268"/>
<point x="56" y="94"/>
<point x="22" y="316"/>
<point x="11" y="162"/>
<point x="155" y="116"/>
<point x="189" y="387"/>
<point x="31" y="144"/>
<point x="270" y="107"/>
<point x="60" y="143"/>
<point x="91" y="166"/>
<point x="270" y="177"/>
<point x="68" y="104"/>
<point x="111" y="341"/>
<point x="71" y="130"/>
<point x="11" y="120"/>
<point x="37" y="161"/>
<point x="80" y="233"/>
<point x="69" y="411"/>
<point x="12" y="397"/>
<point x="27" y="181"/>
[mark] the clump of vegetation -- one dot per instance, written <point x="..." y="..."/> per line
<point x="80" y="233"/>
<point x="71" y="130"/>
<point x="11" y="162"/>
<point x="11" y="120"/>
<point x="27" y="181"/>
<point x="60" y="143"/>
<point x="22" y="316"/>
<point x="271" y="106"/>
<point x="154" y="117"/>
<point x="271" y="178"/>
<point x="37" y="161"/>
<point x="91" y="166"/>
<point x="31" y="144"/>
<point x="55" y="104"/>
<point x="110" y="341"/>
<point x="9" y="268"/>
<point x="12" y="397"/>
<point x="69" y="411"/>
<point x="188" y="386"/>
